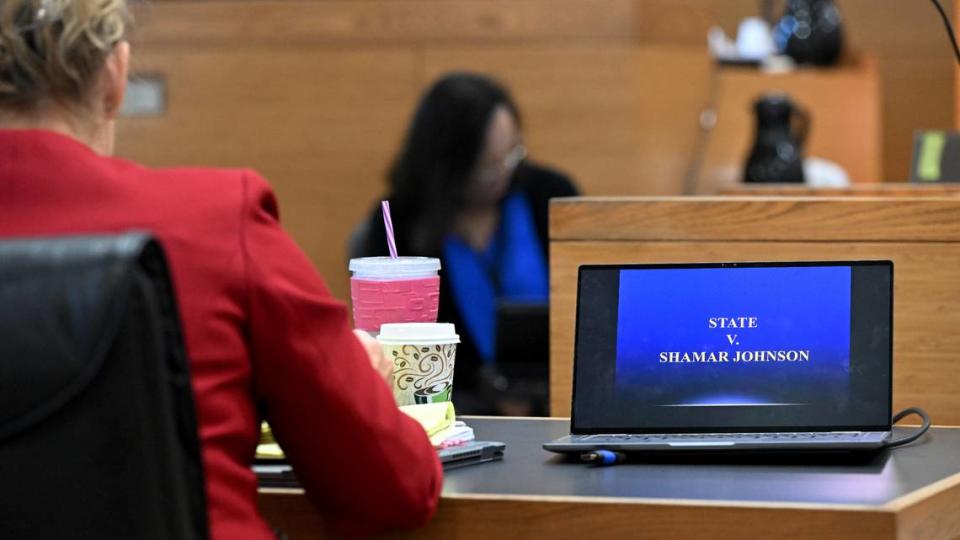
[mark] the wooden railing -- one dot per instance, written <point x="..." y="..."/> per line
<point x="921" y="235"/>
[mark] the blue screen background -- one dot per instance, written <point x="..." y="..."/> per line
<point x="798" y="308"/>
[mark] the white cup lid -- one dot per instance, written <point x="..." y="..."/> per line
<point x="418" y="333"/>
<point x="399" y="267"/>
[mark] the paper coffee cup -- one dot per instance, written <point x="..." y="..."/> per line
<point x="423" y="356"/>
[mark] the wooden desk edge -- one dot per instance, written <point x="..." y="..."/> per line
<point x="480" y="517"/>
<point x="929" y="512"/>
<point x="646" y="501"/>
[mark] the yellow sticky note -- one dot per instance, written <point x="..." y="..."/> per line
<point x="434" y="417"/>
<point x="268" y="447"/>
<point x="269" y="451"/>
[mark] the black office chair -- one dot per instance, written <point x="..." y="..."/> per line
<point x="98" y="435"/>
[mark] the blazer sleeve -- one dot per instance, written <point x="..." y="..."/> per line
<point x="365" y="466"/>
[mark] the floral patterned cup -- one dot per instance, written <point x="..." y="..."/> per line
<point x="423" y="357"/>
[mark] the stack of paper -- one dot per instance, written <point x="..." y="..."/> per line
<point x="455" y="435"/>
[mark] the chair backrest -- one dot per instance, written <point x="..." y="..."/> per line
<point x="921" y="235"/>
<point x="98" y="435"/>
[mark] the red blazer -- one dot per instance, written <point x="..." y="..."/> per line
<point x="263" y="334"/>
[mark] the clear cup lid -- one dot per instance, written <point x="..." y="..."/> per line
<point x="386" y="267"/>
<point x="418" y="333"/>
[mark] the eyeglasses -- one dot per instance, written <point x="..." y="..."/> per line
<point x="490" y="172"/>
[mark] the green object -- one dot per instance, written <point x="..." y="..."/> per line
<point x="426" y="395"/>
<point x="931" y="153"/>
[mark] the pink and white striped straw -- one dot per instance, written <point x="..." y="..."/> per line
<point x="388" y="224"/>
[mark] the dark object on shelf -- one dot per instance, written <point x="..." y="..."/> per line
<point x="777" y="154"/>
<point x="811" y="32"/>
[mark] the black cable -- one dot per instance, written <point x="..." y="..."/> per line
<point x="946" y="22"/>
<point x="910" y="438"/>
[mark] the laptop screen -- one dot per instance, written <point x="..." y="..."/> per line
<point x="733" y="347"/>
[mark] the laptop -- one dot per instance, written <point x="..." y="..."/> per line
<point x="471" y="453"/>
<point x="732" y="356"/>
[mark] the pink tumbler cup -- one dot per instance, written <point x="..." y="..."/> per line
<point x="387" y="290"/>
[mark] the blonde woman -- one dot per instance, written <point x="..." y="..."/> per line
<point x="264" y="336"/>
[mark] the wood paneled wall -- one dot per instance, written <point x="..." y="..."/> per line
<point x="916" y="66"/>
<point x="316" y="94"/>
<point x="318" y="124"/>
<point x="920" y="234"/>
<point x="844" y="105"/>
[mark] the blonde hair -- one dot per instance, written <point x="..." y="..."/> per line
<point x="53" y="49"/>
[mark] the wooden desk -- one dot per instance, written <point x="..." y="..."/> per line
<point x="910" y="492"/>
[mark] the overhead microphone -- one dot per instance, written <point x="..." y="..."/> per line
<point x="946" y="22"/>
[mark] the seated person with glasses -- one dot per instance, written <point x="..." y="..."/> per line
<point x="462" y="190"/>
<point x="264" y="336"/>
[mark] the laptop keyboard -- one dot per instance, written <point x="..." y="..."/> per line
<point x="694" y="437"/>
